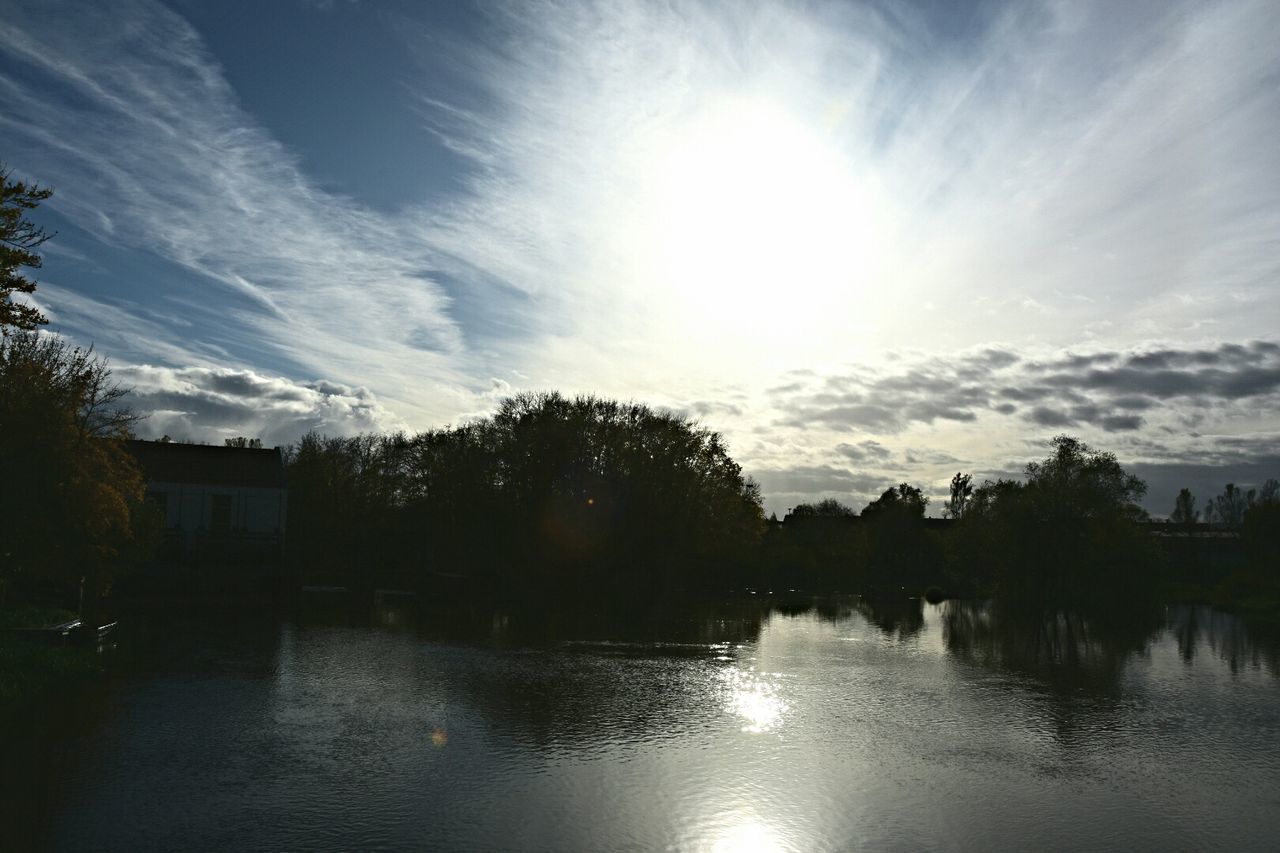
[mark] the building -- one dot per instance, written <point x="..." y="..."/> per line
<point x="218" y="504"/>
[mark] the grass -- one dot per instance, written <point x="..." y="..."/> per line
<point x="29" y="616"/>
<point x="31" y="665"/>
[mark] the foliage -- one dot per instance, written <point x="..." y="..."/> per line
<point x="28" y="669"/>
<point x="550" y="492"/>
<point x="961" y="492"/>
<point x="19" y="238"/>
<point x="239" y="441"/>
<point x="1270" y="492"/>
<point x="1260" y="534"/>
<point x="904" y="500"/>
<point x="828" y="508"/>
<point x="72" y="502"/>
<point x="900" y="554"/>
<point x="1065" y="537"/>
<point x="1229" y="508"/>
<point x="1184" y="509"/>
<point x="818" y="547"/>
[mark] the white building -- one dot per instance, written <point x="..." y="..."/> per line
<point x="215" y="500"/>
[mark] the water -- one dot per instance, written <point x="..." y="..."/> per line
<point x="726" y="728"/>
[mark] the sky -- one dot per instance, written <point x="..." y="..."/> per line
<point x="866" y="242"/>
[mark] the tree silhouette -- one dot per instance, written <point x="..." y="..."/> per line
<point x="827" y="508"/>
<point x="904" y="501"/>
<point x="551" y="493"/>
<point x="79" y="507"/>
<point x="961" y="491"/>
<point x="19" y="238"/>
<point x="1230" y="507"/>
<point x="1066" y="537"/>
<point x="1184" y="509"/>
<point x="900" y="555"/>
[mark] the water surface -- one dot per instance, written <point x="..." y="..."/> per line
<point x="727" y="727"/>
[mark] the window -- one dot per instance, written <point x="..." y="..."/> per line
<point x="220" y="520"/>
<point x="160" y="500"/>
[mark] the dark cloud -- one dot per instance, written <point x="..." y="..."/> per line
<point x="1114" y="391"/>
<point x="869" y="417"/>
<point x="1026" y="395"/>
<point x="931" y="457"/>
<point x="864" y="451"/>
<point x="1045" y="416"/>
<point x="1119" y="423"/>
<point x="708" y="408"/>
<point x="815" y="479"/>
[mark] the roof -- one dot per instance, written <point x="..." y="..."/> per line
<point x="170" y="462"/>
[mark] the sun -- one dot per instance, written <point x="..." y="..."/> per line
<point x="758" y="219"/>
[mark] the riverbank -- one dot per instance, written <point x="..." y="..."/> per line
<point x="31" y="665"/>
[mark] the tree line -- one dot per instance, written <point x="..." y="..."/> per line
<point x="1070" y="534"/>
<point x="552" y="495"/>
<point x="549" y="495"/>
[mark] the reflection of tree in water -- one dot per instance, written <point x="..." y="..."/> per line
<point x="900" y="618"/>
<point x="826" y="609"/>
<point x="1226" y="636"/>
<point x="569" y="677"/>
<point x="834" y="609"/>
<point x="1074" y="662"/>
<point x="1063" y="649"/>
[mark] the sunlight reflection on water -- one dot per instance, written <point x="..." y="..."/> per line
<point x="755" y="700"/>
<point x="748" y="836"/>
<point x="813" y="731"/>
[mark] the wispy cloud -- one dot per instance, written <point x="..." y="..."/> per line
<point x="131" y="118"/>
<point x="666" y="200"/>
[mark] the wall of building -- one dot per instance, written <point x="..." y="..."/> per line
<point x="243" y="509"/>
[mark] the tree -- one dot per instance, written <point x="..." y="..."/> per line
<point x="1184" y="509"/>
<point x="549" y="494"/>
<point x="242" y="441"/>
<point x="899" y="554"/>
<point x="961" y="492"/>
<point x="1270" y="492"/>
<point x="71" y="505"/>
<point x="903" y="500"/>
<point x="19" y="238"/>
<point x="1230" y="506"/>
<point x="1079" y="482"/>
<point x="1065" y="537"/>
<point x="827" y="508"/>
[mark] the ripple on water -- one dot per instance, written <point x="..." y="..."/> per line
<point x="820" y="733"/>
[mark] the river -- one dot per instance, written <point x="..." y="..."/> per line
<point x="729" y="726"/>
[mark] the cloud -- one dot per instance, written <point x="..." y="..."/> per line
<point x="1066" y="390"/>
<point x="866" y="450"/>
<point x="1068" y="181"/>
<point x="1165" y="407"/>
<point x="127" y="112"/>
<point x="210" y="404"/>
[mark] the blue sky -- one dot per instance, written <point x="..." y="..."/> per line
<point x="867" y="242"/>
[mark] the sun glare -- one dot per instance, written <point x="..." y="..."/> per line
<point x="755" y="213"/>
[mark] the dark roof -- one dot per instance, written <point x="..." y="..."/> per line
<point x="170" y="462"/>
